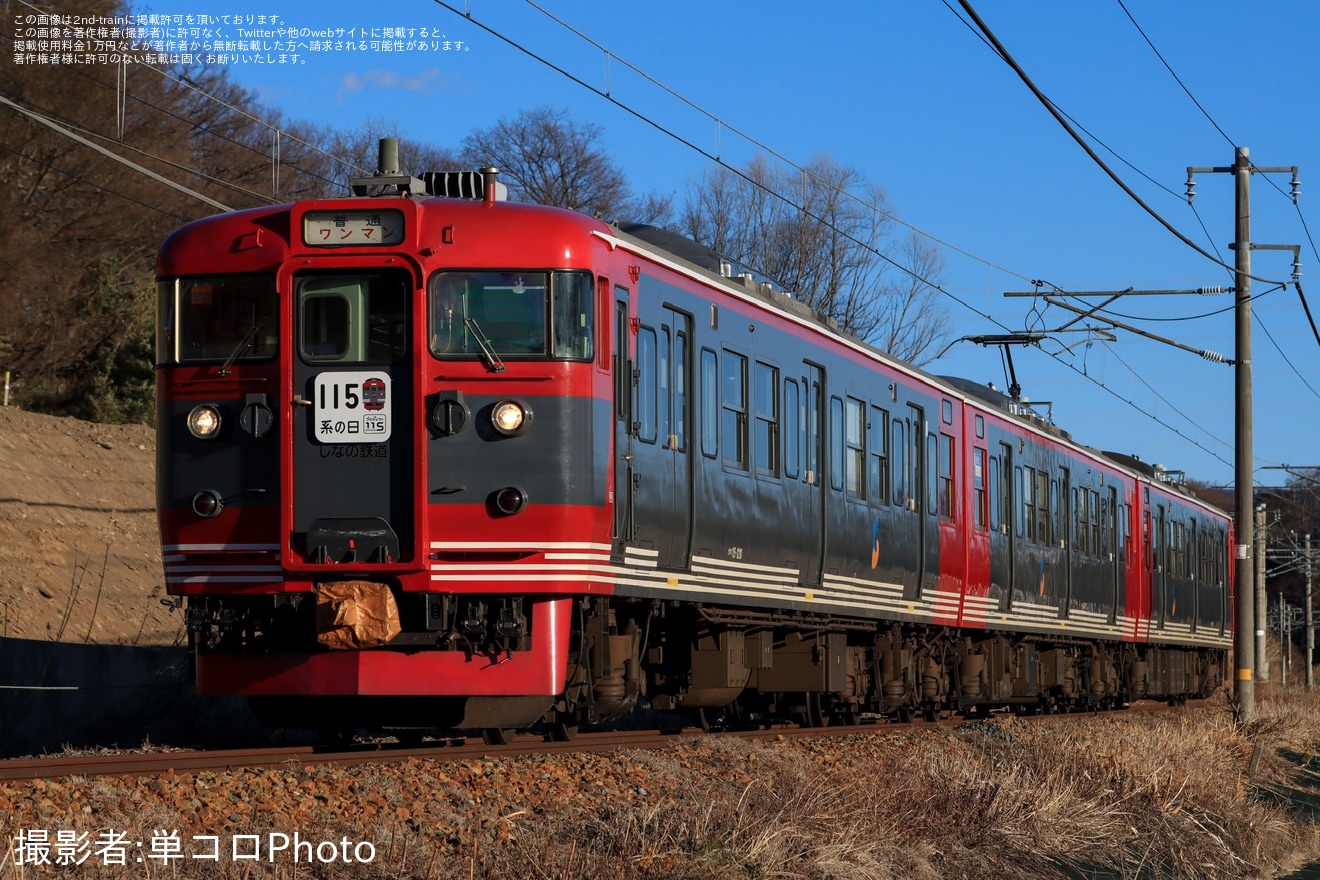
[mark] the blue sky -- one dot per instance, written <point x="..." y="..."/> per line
<point x="907" y="94"/>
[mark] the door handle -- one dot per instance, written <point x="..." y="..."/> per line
<point x="300" y="401"/>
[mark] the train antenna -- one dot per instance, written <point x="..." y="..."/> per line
<point x="387" y="175"/>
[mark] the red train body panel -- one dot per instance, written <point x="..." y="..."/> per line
<point x="569" y="469"/>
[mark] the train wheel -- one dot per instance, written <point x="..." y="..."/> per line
<point x="498" y="736"/>
<point x="712" y="719"/>
<point x="817" y="714"/>
<point x="561" y="731"/>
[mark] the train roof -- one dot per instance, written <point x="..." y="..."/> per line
<point x="711" y="267"/>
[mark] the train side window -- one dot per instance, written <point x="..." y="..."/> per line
<point x="792" y="428"/>
<point x="603" y="346"/>
<point x="573" y="315"/>
<point x="1043" y="508"/>
<point x="622" y="371"/>
<point x="1095" y="521"/>
<point x="1178" y="551"/>
<point x="947" y="506"/>
<point x="836" y="444"/>
<point x="766" y="388"/>
<point x="679" y="421"/>
<point x="1145" y="540"/>
<point x="946" y="412"/>
<point x="662" y="376"/>
<point x="1024" y="484"/>
<point x="1106" y="524"/>
<point x="932" y="475"/>
<point x="1056" y="534"/>
<point x="854" y="463"/>
<point x="878" y="473"/>
<point x="1193" y="551"/>
<point x="1124" y="528"/>
<point x="1003" y="499"/>
<point x="646" y="385"/>
<point x="1082" y="538"/>
<point x="916" y="463"/>
<point x="899" y="449"/>
<point x="710" y="404"/>
<point x="980" y="427"/>
<point x="995" y="505"/>
<point x="733" y="396"/>
<point x="980" y="511"/>
<point x="813" y="413"/>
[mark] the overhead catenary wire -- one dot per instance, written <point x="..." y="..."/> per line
<point x="181" y="218"/>
<point x="719" y="161"/>
<point x="1279" y="349"/>
<point x="716" y="158"/>
<point x="1137" y="375"/>
<point x="162" y="160"/>
<point x="116" y="157"/>
<point x="721" y="125"/>
<point x="188" y="84"/>
<point x="1081" y="142"/>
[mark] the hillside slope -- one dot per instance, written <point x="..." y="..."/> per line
<point x="79" y="548"/>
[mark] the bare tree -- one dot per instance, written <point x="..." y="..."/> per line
<point x="825" y="234"/>
<point x="548" y="158"/>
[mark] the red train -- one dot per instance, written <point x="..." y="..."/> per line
<point x="456" y="462"/>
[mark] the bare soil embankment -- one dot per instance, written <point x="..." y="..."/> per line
<point x="79" y="547"/>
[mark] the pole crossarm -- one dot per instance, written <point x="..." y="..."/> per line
<point x="1212" y="356"/>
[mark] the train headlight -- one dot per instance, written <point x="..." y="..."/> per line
<point x="207" y="503"/>
<point x="204" y="422"/>
<point x="510" y="417"/>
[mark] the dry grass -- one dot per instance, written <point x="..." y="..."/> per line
<point x="1122" y="795"/>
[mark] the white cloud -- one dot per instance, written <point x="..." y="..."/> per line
<point x="423" y="83"/>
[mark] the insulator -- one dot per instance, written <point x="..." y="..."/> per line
<point x="1296" y="187"/>
<point x="1297" y="268"/>
<point x="1213" y="356"/>
<point x="1191" y="186"/>
<point x="1214" y="290"/>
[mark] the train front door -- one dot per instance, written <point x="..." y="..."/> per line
<point x="352" y="419"/>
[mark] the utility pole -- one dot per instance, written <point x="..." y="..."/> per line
<point x="1244" y="648"/>
<point x="1243" y="478"/>
<point x="1261" y="599"/>
<point x="1310" y="622"/>
<point x="1285" y="639"/>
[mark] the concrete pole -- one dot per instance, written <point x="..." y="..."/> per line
<point x="1244" y="641"/>
<point x="1262" y="599"/>
<point x="1310" y="621"/>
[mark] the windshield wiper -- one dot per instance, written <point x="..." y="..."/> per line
<point x="244" y="343"/>
<point x="492" y="359"/>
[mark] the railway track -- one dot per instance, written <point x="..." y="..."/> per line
<point x="456" y="749"/>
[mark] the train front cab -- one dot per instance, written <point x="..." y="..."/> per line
<point x="399" y="429"/>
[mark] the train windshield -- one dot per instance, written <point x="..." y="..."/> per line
<point x="216" y="318"/>
<point x="515" y="314"/>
